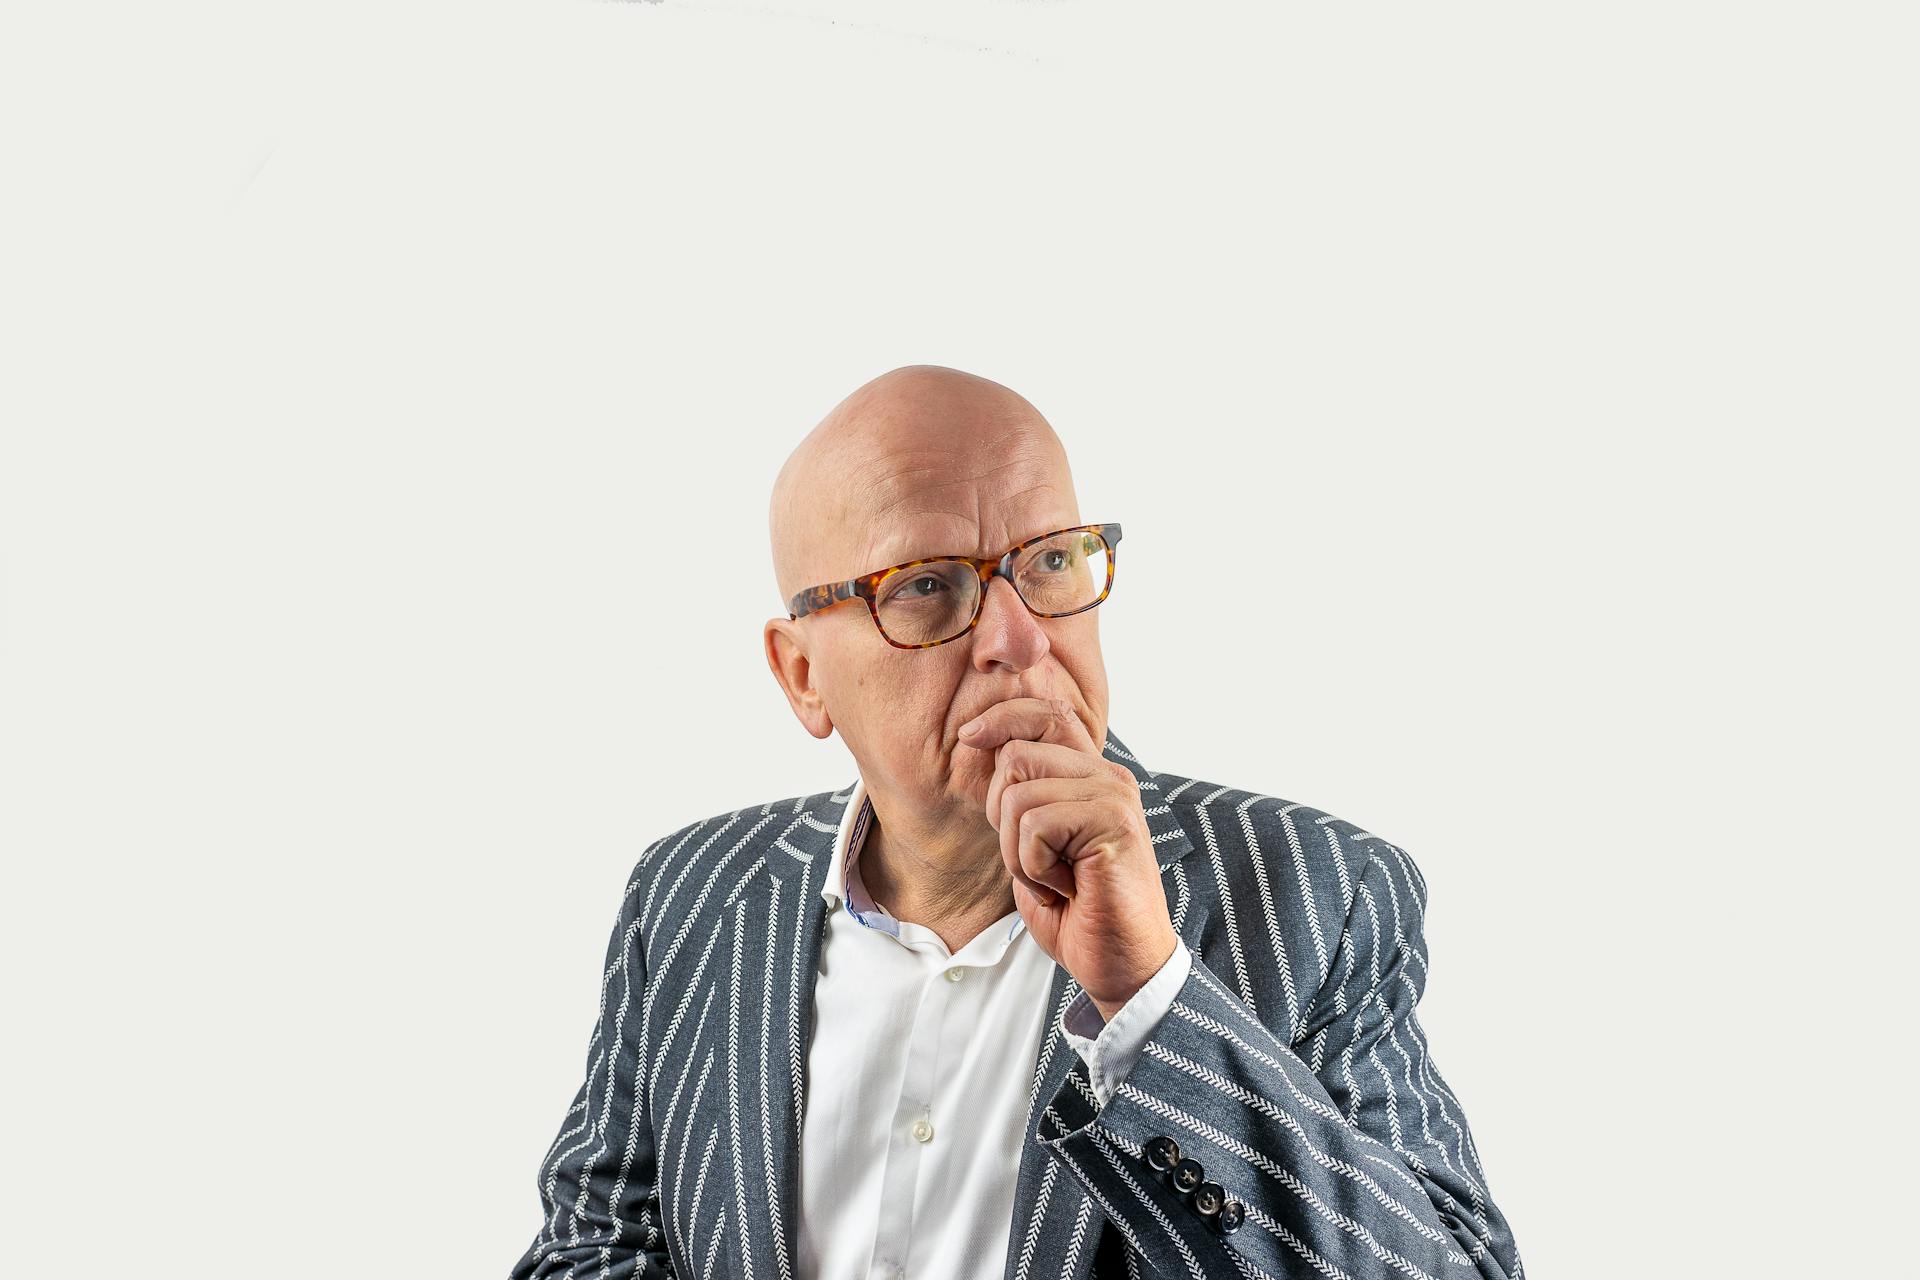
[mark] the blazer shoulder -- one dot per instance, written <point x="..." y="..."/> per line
<point x="1243" y="825"/>
<point x="1289" y="889"/>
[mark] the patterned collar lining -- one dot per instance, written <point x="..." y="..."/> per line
<point x="852" y="890"/>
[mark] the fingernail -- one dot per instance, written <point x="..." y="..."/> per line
<point x="971" y="727"/>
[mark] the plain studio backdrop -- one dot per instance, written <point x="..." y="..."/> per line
<point x="1507" y="405"/>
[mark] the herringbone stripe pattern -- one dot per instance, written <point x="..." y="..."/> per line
<point x="1292" y="1065"/>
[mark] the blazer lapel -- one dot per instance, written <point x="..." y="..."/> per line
<point x="773" y="946"/>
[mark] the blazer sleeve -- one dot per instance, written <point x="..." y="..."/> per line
<point x="1342" y="1146"/>
<point x="600" y="1209"/>
<point x="1110" y="1048"/>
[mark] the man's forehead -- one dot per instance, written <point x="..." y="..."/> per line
<point x="956" y="538"/>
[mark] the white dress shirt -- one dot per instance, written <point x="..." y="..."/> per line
<point x="917" y="1076"/>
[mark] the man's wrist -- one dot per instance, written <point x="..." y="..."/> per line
<point x="1108" y="1008"/>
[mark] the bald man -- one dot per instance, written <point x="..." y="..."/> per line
<point x="1010" y="1004"/>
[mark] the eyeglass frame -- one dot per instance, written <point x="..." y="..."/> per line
<point x="866" y="586"/>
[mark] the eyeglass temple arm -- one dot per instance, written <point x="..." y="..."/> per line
<point x="814" y="599"/>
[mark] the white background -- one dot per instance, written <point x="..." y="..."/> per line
<point x="1508" y="406"/>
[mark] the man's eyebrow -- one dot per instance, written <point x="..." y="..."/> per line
<point x="900" y="553"/>
<point x="901" y="548"/>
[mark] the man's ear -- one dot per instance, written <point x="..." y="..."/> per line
<point x="787" y="658"/>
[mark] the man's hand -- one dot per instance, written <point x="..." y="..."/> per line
<point x="1075" y="838"/>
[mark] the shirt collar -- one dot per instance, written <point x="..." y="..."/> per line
<point x="843" y="886"/>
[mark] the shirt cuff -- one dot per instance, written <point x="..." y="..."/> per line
<point x="1111" y="1048"/>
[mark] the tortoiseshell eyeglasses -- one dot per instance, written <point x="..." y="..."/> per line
<point x="1055" y="575"/>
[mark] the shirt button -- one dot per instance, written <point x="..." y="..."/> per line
<point x="955" y="974"/>
<point x="922" y="1131"/>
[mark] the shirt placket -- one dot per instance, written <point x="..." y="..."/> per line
<point x="915" y="1127"/>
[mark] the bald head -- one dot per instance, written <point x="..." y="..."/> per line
<point x="920" y="452"/>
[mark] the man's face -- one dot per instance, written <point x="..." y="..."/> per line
<point x="909" y="495"/>
<point x="900" y="710"/>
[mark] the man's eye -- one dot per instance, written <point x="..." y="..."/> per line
<point x="912" y="587"/>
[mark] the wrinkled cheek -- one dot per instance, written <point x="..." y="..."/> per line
<point x="974" y="772"/>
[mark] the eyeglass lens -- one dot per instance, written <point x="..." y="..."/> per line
<point x="935" y="601"/>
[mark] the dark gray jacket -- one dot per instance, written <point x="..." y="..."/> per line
<point x="1291" y="1073"/>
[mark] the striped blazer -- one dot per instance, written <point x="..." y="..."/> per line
<point x="1290" y="1076"/>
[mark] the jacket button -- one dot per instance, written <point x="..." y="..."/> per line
<point x="1163" y="1153"/>
<point x="1232" y="1214"/>
<point x="1188" y="1174"/>
<point x="1208" y="1197"/>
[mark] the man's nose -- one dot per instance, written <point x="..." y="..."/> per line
<point x="1007" y="636"/>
